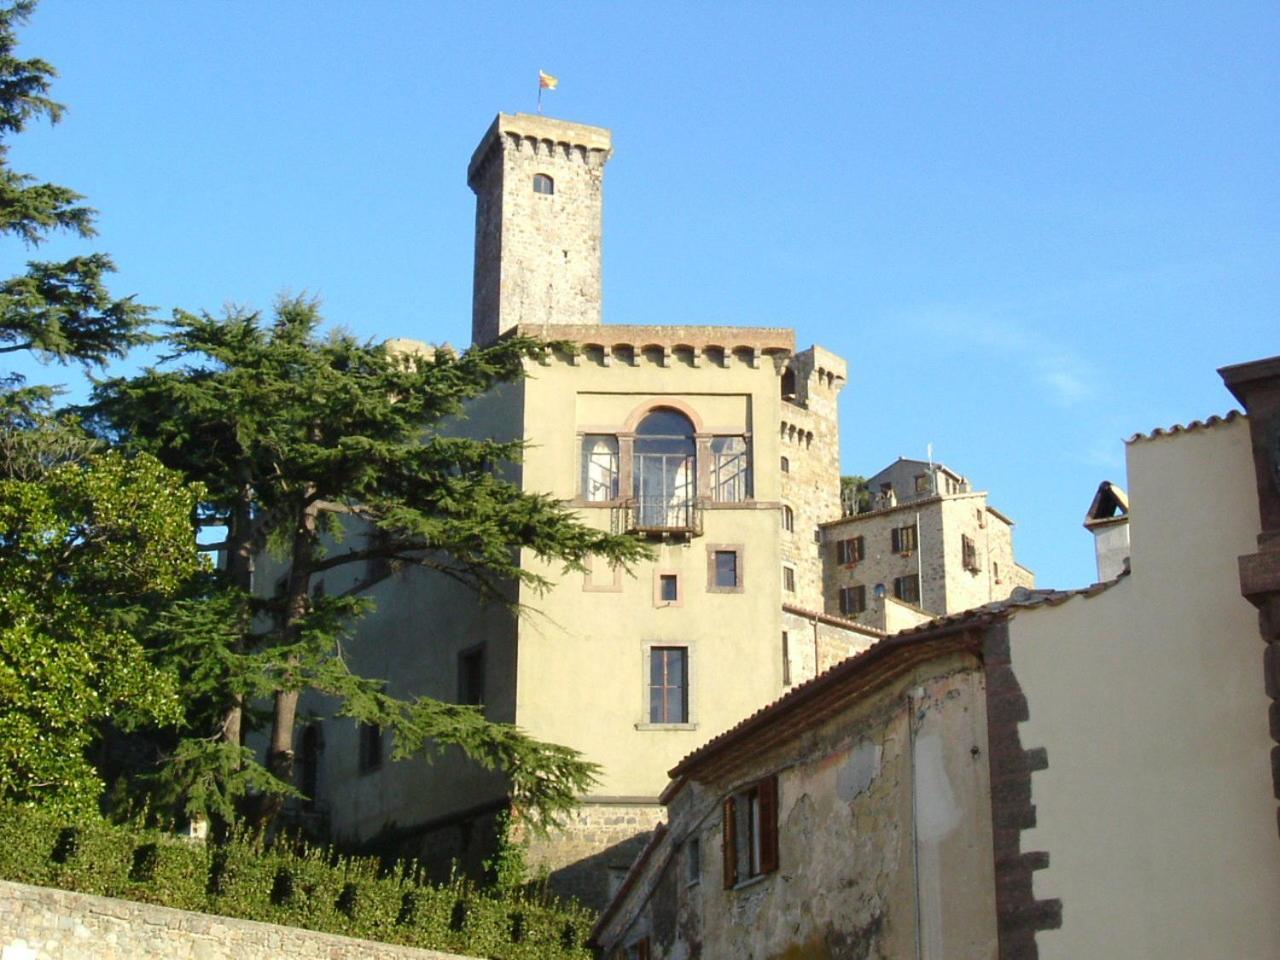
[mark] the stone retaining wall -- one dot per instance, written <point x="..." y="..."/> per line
<point x="39" y="923"/>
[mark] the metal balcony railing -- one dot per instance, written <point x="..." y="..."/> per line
<point x="653" y="516"/>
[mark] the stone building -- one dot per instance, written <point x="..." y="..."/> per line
<point x="717" y="444"/>
<point x="1073" y="774"/>
<point x="929" y="541"/>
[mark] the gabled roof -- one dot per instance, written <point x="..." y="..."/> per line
<point x="816" y="699"/>
<point x="1110" y="505"/>
<point x="1188" y="428"/>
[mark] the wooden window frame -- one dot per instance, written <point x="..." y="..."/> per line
<point x="900" y="582"/>
<point x="849" y="608"/>
<point x="904" y="540"/>
<point x="761" y="859"/>
<point x="788" y="578"/>
<point x="715" y="548"/>
<point x="662" y="649"/>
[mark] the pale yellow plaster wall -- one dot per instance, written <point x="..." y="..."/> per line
<point x="1156" y="809"/>
<point x="582" y="666"/>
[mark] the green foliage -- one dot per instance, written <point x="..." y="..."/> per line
<point x="297" y="435"/>
<point x="288" y="884"/>
<point x="59" y="310"/>
<point x="82" y="548"/>
<point x="855" y="495"/>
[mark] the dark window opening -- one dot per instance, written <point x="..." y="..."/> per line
<point x="668" y="587"/>
<point x="851" y="550"/>
<point x="471" y="676"/>
<point x="543" y="184"/>
<point x="788" y="519"/>
<point x="853" y="600"/>
<point x="789" y="579"/>
<point x="370" y="735"/>
<point x="907" y="589"/>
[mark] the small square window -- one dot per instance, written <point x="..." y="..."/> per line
<point x="786" y="465"/>
<point x="724" y="568"/>
<point x="668" y="588"/>
<point x="789" y="579"/>
<point x="907" y="589"/>
<point x="853" y="600"/>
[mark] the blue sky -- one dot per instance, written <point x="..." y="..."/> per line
<point x="1032" y="229"/>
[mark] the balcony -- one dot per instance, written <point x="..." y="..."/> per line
<point x="658" y="517"/>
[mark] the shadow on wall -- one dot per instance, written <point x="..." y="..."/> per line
<point x="593" y="880"/>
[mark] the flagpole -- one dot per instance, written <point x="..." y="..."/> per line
<point x="539" y="94"/>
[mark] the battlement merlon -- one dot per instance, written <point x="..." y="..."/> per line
<point x="598" y="140"/>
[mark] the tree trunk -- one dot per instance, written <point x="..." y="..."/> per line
<point x="240" y="573"/>
<point x="297" y="603"/>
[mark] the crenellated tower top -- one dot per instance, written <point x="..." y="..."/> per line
<point x="539" y="186"/>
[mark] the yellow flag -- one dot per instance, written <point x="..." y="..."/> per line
<point x="546" y="81"/>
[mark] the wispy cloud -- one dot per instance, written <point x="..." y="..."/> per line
<point x="1066" y="377"/>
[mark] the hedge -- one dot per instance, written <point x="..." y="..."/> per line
<point x="289" y="884"/>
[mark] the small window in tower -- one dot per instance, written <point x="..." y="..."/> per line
<point x="543" y="184"/>
<point x="788" y="519"/>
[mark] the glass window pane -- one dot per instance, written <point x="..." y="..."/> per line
<point x="726" y="568"/>
<point x="675" y="705"/>
<point x="655" y="705"/>
<point x="675" y="668"/>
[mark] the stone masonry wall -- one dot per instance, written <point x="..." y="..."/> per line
<point x="815" y="645"/>
<point x="599" y="842"/>
<point x="946" y="585"/>
<point x="810" y="441"/>
<point x="538" y="255"/>
<point x="38" y="923"/>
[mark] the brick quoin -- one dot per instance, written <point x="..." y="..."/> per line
<point x="1019" y="915"/>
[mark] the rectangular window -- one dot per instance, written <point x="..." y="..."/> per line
<point x="851" y="550"/>
<point x="724" y="574"/>
<point x="788" y="519"/>
<point x="370" y="736"/>
<point x="471" y="676"/>
<point x="668" y="588"/>
<point x="750" y="832"/>
<point x="669" y="685"/>
<point x="789" y="579"/>
<point x="599" y="468"/>
<point x="786" y="659"/>
<point x="922" y="483"/>
<point x="903" y="539"/>
<point x="730" y="469"/>
<point x="969" y="553"/>
<point x="692" y="861"/>
<point x="907" y="589"/>
<point x="853" y="600"/>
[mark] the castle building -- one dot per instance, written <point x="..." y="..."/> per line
<point x="718" y="444"/>
<point x="928" y="545"/>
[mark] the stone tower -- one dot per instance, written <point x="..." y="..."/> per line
<point x="539" y="186"/>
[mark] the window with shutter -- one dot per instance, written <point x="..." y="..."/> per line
<point x="751" y="832"/>
<point x="903" y="539"/>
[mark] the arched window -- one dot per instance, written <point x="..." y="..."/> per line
<point x="664" y="470"/>
<point x="543" y="184"/>
<point x="788" y="519"/>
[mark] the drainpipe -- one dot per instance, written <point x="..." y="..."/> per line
<point x="919" y="560"/>
<point x="914" y="694"/>
<point x="817" y="668"/>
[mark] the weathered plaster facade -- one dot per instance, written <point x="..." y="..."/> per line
<point x="884" y="833"/>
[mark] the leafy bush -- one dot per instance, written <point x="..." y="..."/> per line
<point x="288" y="883"/>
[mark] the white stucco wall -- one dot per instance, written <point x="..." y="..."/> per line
<point x="1156" y="809"/>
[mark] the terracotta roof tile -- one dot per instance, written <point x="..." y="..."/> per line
<point x="1188" y="428"/>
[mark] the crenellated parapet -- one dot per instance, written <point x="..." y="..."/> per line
<point x="540" y="138"/>
<point x="633" y="345"/>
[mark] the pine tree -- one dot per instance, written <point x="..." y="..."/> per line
<point x="58" y="310"/>
<point x="299" y="440"/>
